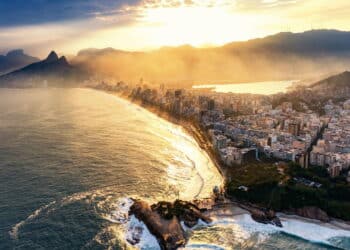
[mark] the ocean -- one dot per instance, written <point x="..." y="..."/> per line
<point x="71" y="159"/>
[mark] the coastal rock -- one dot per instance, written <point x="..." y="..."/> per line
<point x="163" y="220"/>
<point x="168" y="232"/>
<point x="185" y="211"/>
<point x="265" y="217"/>
<point x="312" y="213"/>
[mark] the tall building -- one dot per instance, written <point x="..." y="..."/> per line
<point x="304" y="160"/>
<point x="294" y="128"/>
<point x="178" y="93"/>
<point x="211" y="104"/>
<point x="334" y="170"/>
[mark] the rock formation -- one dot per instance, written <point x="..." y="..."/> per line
<point x="312" y="213"/>
<point x="163" y="220"/>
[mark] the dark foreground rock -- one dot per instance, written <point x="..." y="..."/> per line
<point x="312" y="213"/>
<point x="163" y="220"/>
<point x="265" y="216"/>
<point x="185" y="211"/>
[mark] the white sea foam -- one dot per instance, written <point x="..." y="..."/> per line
<point x="203" y="247"/>
<point x="50" y="207"/>
<point x="312" y="231"/>
<point x="147" y="240"/>
<point x="15" y="229"/>
<point x="120" y="213"/>
<point x="243" y="227"/>
<point x="133" y="230"/>
<point x="191" y="164"/>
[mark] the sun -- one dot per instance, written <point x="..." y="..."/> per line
<point x="196" y="25"/>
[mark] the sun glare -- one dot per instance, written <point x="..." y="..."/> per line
<point x="199" y="26"/>
<point x="196" y="25"/>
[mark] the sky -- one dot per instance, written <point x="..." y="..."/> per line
<point x="68" y="26"/>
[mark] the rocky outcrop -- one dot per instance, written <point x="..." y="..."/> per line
<point x="265" y="216"/>
<point x="185" y="211"/>
<point x="312" y="213"/>
<point x="163" y="220"/>
<point x="168" y="232"/>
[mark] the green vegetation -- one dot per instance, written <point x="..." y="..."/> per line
<point x="254" y="173"/>
<point x="262" y="179"/>
<point x="278" y="190"/>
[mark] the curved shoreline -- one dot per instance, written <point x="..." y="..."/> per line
<point x="202" y="142"/>
<point x="187" y="126"/>
<point x="199" y="139"/>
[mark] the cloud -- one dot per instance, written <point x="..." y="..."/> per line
<point x="69" y="25"/>
<point x="253" y="5"/>
<point x="20" y="12"/>
<point x="239" y="4"/>
<point x="152" y="4"/>
<point x="29" y="12"/>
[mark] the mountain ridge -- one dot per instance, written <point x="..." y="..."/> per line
<point x="339" y="80"/>
<point x="52" y="71"/>
<point x="282" y="56"/>
<point x="15" y="59"/>
<point x="277" y="57"/>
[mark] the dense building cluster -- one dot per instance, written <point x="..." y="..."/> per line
<point x="242" y="126"/>
<point x="279" y="133"/>
<point x="333" y="150"/>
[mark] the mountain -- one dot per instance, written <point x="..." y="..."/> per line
<point x="53" y="71"/>
<point x="339" y="81"/>
<point x="314" y="42"/>
<point x="15" y="59"/>
<point x="282" y="56"/>
<point x="336" y="86"/>
<point x="278" y="57"/>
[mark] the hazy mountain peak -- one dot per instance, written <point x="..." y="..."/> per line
<point x="63" y="60"/>
<point x="17" y="52"/>
<point x="56" y="71"/>
<point x="15" y="59"/>
<point x="52" y="57"/>
<point x="337" y="81"/>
